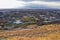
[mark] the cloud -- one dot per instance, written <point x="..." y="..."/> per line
<point x="26" y="0"/>
<point x="10" y="4"/>
<point x="50" y="0"/>
<point x="45" y="4"/>
<point x="47" y="0"/>
<point x="28" y="4"/>
<point x="40" y="0"/>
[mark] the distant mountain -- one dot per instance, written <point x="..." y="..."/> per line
<point x="36" y="6"/>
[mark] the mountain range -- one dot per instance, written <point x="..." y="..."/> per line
<point x="36" y="6"/>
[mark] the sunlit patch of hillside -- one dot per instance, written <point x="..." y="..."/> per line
<point x="45" y="32"/>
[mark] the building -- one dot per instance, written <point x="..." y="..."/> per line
<point x="1" y="25"/>
<point x="18" y="22"/>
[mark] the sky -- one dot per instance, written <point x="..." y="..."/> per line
<point x="32" y="4"/>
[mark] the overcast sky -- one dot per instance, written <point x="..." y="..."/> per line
<point x="23" y="3"/>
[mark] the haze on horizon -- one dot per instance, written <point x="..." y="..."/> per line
<point x="8" y="4"/>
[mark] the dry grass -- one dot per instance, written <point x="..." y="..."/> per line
<point x="45" y="32"/>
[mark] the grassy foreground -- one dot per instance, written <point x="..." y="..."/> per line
<point x="45" y="32"/>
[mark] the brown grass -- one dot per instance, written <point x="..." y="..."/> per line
<point x="45" y="32"/>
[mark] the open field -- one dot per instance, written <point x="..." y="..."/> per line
<point x="45" y="32"/>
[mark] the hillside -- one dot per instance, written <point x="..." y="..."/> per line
<point x="45" y="32"/>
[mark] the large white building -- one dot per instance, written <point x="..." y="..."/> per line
<point x="18" y="22"/>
